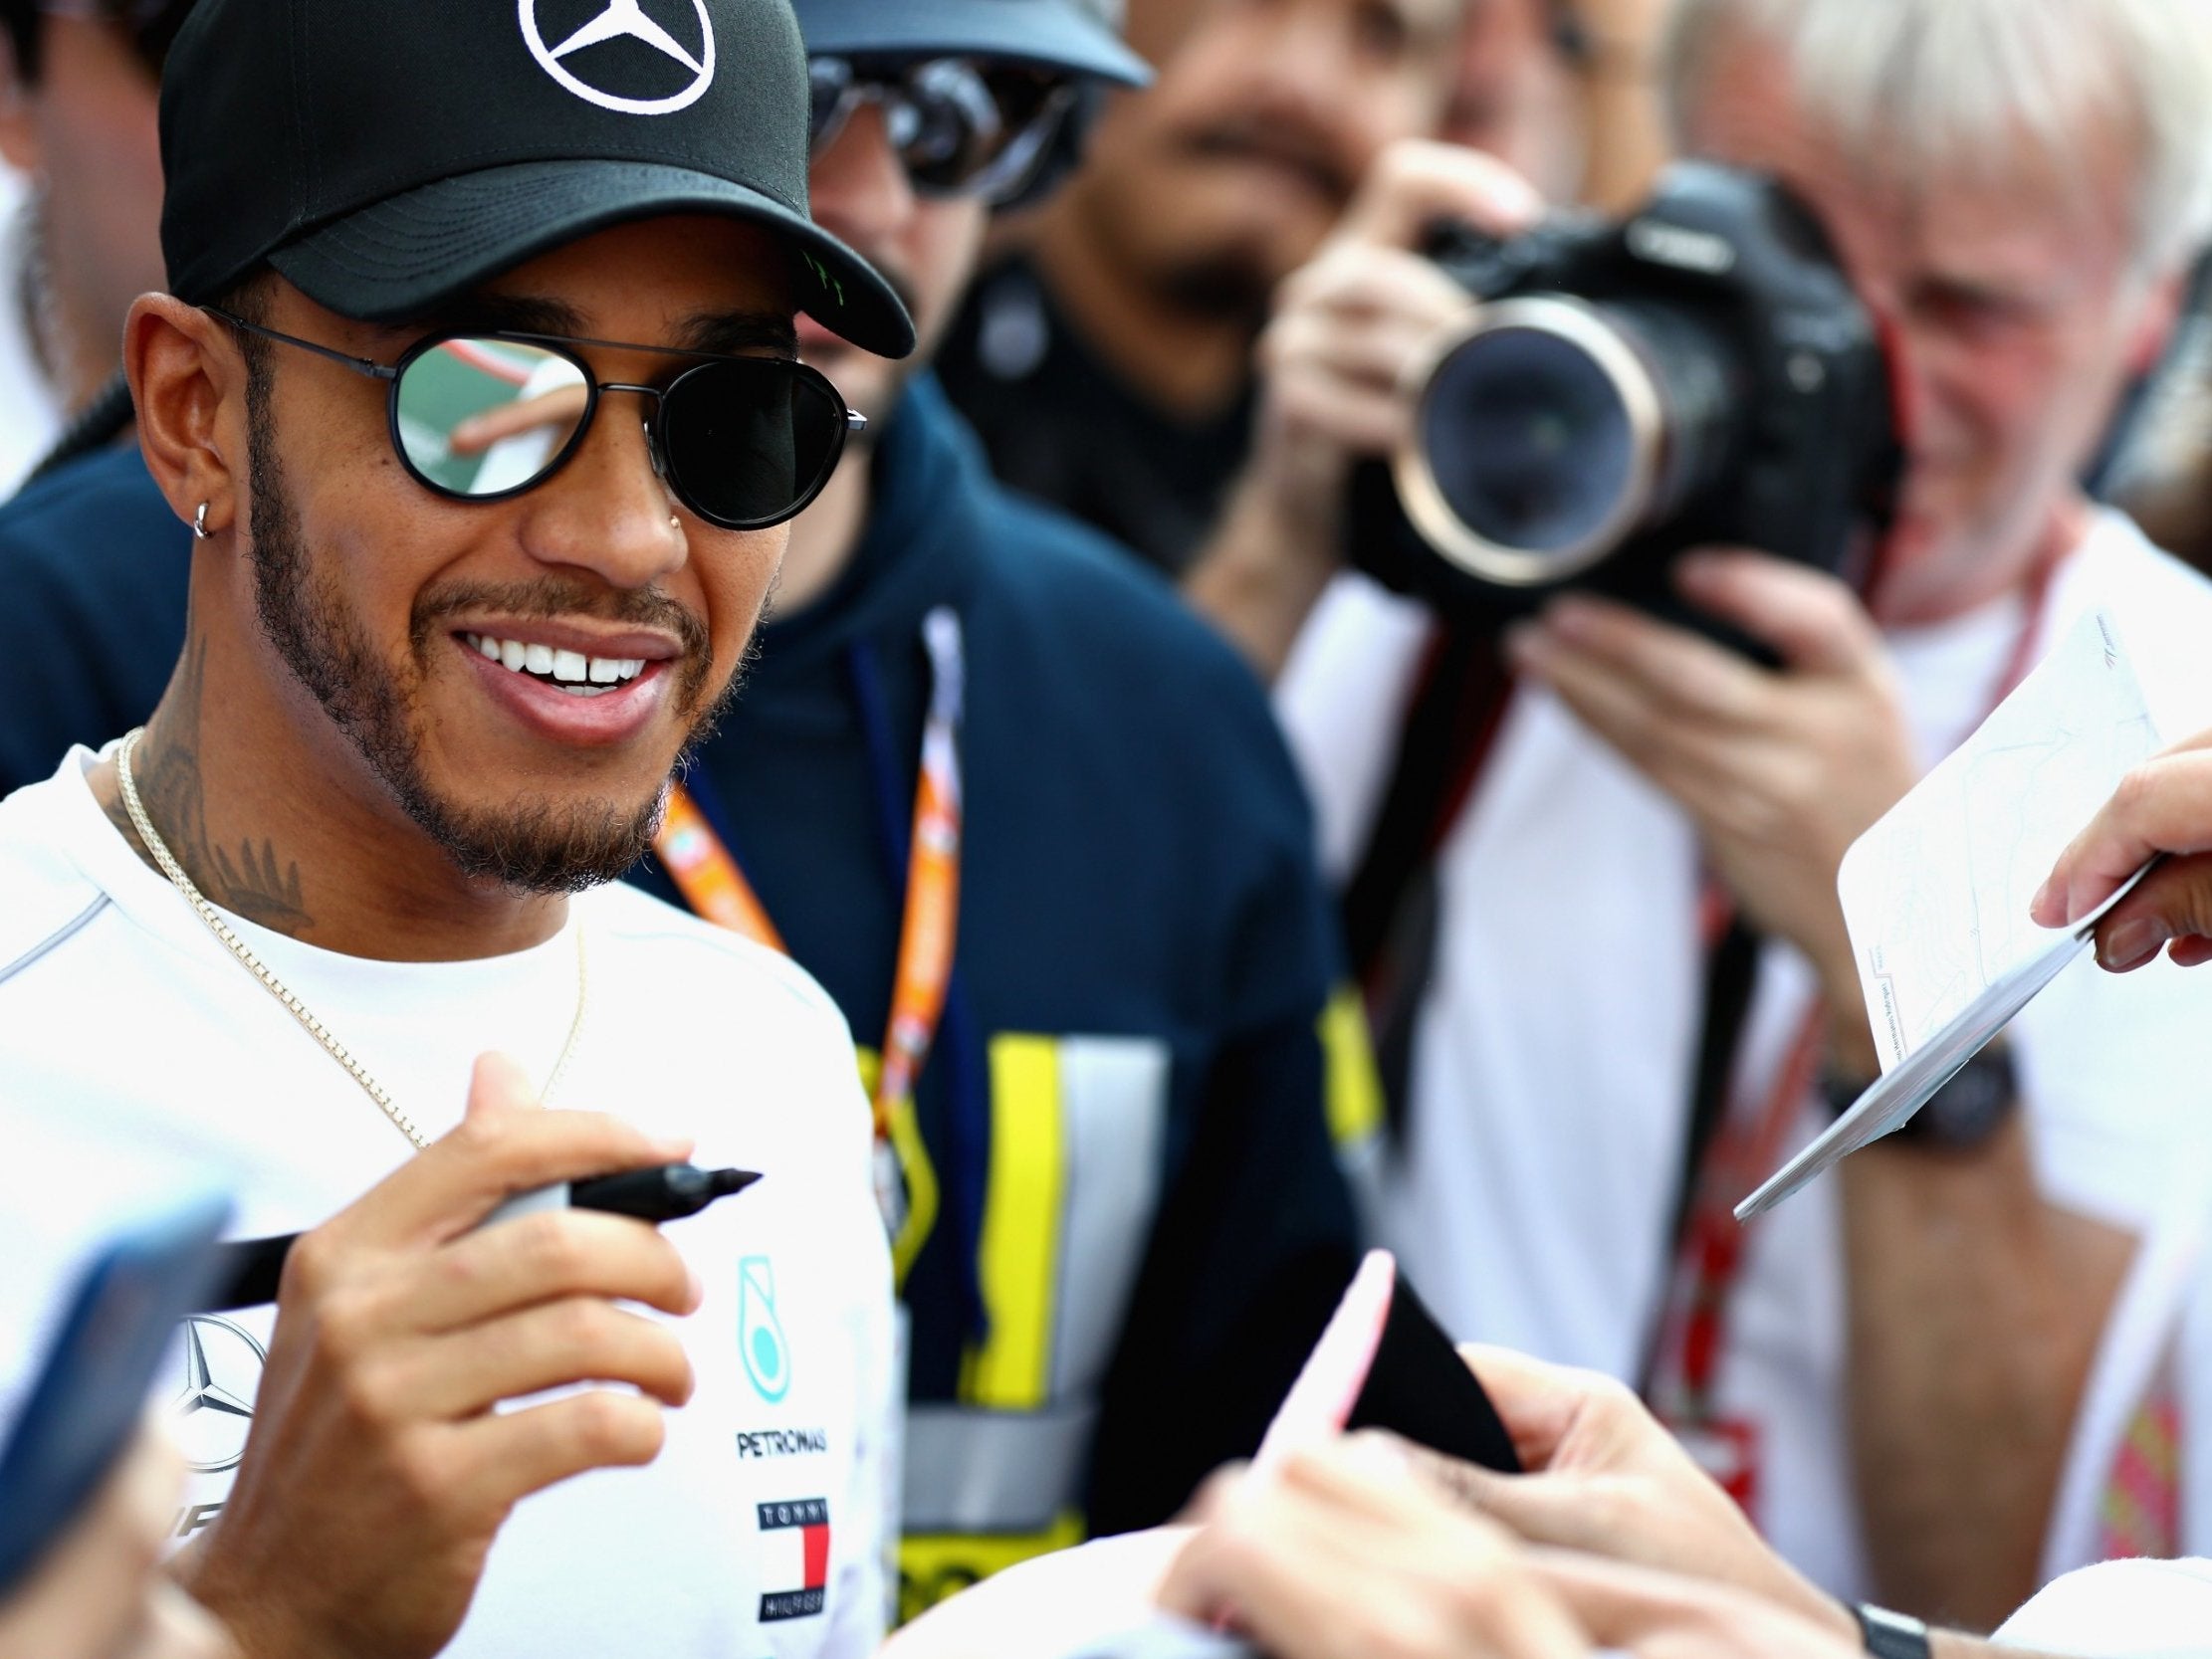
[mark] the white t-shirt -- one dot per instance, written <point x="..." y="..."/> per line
<point x="1553" y="1062"/>
<point x="760" y="1527"/>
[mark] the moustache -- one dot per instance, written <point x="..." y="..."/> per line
<point x="553" y="598"/>
<point x="1286" y="144"/>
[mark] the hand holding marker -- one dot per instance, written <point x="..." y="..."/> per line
<point x="667" y="1192"/>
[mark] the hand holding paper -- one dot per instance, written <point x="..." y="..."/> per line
<point x="2162" y="811"/>
<point x="1938" y="895"/>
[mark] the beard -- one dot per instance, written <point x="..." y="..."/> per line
<point x="534" y="844"/>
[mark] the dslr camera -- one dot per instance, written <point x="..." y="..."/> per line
<point x="1701" y="375"/>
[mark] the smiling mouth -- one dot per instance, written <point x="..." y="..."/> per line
<point x="568" y="671"/>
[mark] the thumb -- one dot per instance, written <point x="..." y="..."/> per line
<point x="498" y="1085"/>
<point x="2174" y="902"/>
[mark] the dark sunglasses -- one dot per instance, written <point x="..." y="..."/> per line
<point x="960" y="128"/>
<point x="743" y="442"/>
<point x="149" y="25"/>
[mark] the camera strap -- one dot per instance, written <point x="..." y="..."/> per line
<point x="1733" y="1142"/>
<point x="1390" y="910"/>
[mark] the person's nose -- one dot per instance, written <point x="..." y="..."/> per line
<point x="858" y="185"/>
<point x="1305" y="62"/>
<point x="608" y="510"/>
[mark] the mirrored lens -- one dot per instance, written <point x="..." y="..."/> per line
<point x="1532" y="446"/>
<point x="482" y="417"/>
<point x="748" y="443"/>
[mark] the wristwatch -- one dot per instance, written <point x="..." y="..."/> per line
<point x="1892" y="1635"/>
<point x="1960" y="1116"/>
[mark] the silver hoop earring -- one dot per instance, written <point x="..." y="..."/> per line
<point x="199" y="524"/>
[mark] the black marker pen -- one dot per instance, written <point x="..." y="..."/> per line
<point x="252" y="1268"/>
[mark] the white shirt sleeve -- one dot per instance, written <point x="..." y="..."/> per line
<point x="2120" y="1611"/>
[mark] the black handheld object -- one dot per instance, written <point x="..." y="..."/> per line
<point x="1701" y="374"/>
<point x="253" y="1268"/>
<point x="91" y="1388"/>
<point x="1422" y="1390"/>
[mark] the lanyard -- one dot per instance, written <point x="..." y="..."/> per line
<point x="700" y="862"/>
<point x="1682" y="1372"/>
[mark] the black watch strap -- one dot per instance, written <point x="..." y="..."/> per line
<point x="1890" y="1635"/>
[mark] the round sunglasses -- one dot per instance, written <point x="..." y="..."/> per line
<point x="743" y="442"/>
<point x="959" y="128"/>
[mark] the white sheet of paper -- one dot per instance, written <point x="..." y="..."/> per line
<point x="1936" y="893"/>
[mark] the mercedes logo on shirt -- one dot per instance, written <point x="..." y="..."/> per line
<point x="624" y="56"/>
<point x="214" y="1410"/>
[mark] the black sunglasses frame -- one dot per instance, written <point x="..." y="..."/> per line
<point x="1012" y="174"/>
<point x="565" y="347"/>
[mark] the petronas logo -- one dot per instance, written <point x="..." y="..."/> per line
<point x="761" y="1344"/>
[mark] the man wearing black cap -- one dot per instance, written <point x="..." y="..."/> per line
<point x="433" y="686"/>
<point x="1120" y="1222"/>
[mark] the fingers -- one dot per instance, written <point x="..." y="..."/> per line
<point x="1667" y="673"/>
<point x="177" y="1627"/>
<point x="478" y="433"/>
<point x="2163" y="806"/>
<point x="87" y="1598"/>
<point x="1813" y="621"/>
<point x="500" y="1460"/>
<point x="539" y="1258"/>
<point x="1537" y="1402"/>
<point x="1416" y="183"/>
<point x="495" y="1151"/>
<point x="579" y="1339"/>
<point x="1276" y="1551"/>
<point x="2172" y="906"/>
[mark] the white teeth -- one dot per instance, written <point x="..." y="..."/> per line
<point x="571" y="670"/>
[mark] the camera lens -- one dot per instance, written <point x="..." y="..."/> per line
<point x="1542" y="443"/>
<point x="1535" y="443"/>
<point x="1552" y="429"/>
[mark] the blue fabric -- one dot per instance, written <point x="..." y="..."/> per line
<point x="93" y="574"/>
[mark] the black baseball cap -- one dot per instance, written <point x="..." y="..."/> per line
<point x="386" y="156"/>
<point x="1063" y="35"/>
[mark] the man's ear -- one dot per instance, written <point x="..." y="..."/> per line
<point x="2161" y="314"/>
<point x="188" y="380"/>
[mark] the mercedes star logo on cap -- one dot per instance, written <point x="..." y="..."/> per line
<point x="215" y="1407"/>
<point x="625" y="20"/>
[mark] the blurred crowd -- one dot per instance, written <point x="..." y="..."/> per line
<point x="1290" y="908"/>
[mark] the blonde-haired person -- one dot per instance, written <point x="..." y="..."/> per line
<point x="2017" y="185"/>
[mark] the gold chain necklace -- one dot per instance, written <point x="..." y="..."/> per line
<point x="298" y="1010"/>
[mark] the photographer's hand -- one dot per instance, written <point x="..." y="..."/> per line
<point x="1781" y="770"/>
<point x="1346" y="328"/>
<point x="378" y="1470"/>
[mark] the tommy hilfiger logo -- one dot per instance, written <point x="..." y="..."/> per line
<point x="795" y="1552"/>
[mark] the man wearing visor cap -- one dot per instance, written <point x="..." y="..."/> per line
<point x="434" y="680"/>
<point x="1118" y="1217"/>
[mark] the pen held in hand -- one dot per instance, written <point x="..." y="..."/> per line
<point x="252" y="1269"/>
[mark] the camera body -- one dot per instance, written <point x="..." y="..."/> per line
<point x="1701" y="375"/>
